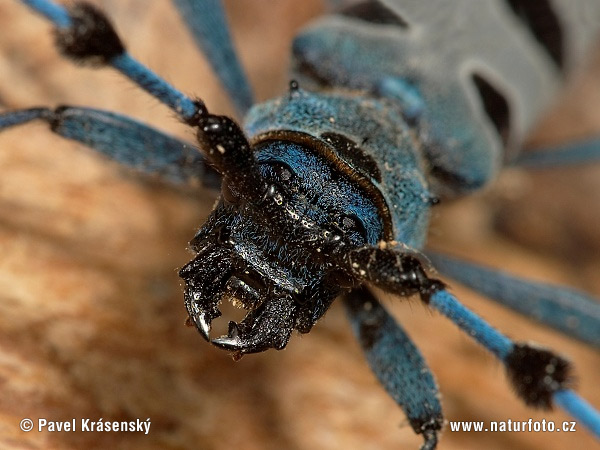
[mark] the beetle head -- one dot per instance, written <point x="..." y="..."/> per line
<point x="285" y="216"/>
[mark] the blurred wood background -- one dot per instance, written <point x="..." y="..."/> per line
<point x="91" y="311"/>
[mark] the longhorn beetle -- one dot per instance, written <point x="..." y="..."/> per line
<point x="321" y="230"/>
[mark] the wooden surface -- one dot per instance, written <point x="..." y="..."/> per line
<point x="91" y="311"/>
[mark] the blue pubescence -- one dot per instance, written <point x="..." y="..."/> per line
<point x="131" y="143"/>
<point x="566" y="310"/>
<point x="387" y="61"/>
<point x="183" y="106"/>
<point x="580" y="152"/>
<point x="50" y="11"/>
<point x="325" y="194"/>
<point x="538" y="376"/>
<point x="20" y="117"/>
<point x="381" y="133"/>
<point x="261" y="252"/>
<point x="578" y="408"/>
<point x="122" y="139"/>
<point x="83" y="33"/>
<point x="208" y="24"/>
<point x="397" y="363"/>
<point x="283" y="245"/>
<point x="472" y="324"/>
<point x="269" y="254"/>
<point x="406" y="94"/>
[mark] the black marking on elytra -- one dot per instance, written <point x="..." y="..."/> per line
<point x="495" y="106"/>
<point x="544" y="24"/>
<point x="91" y="38"/>
<point x="351" y="152"/>
<point x="536" y="374"/>
<point x="373" y="11"/>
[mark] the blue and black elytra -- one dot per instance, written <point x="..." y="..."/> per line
<point x="329" y="188"/>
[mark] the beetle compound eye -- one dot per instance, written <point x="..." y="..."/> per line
<point x="274" y="193"/>
<point x="348" y="223"/>
<point x="281" y="172"/>
<point x="223" y="235"/>
<point x="230" y="193"/>
<point x="351" y="225"/>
